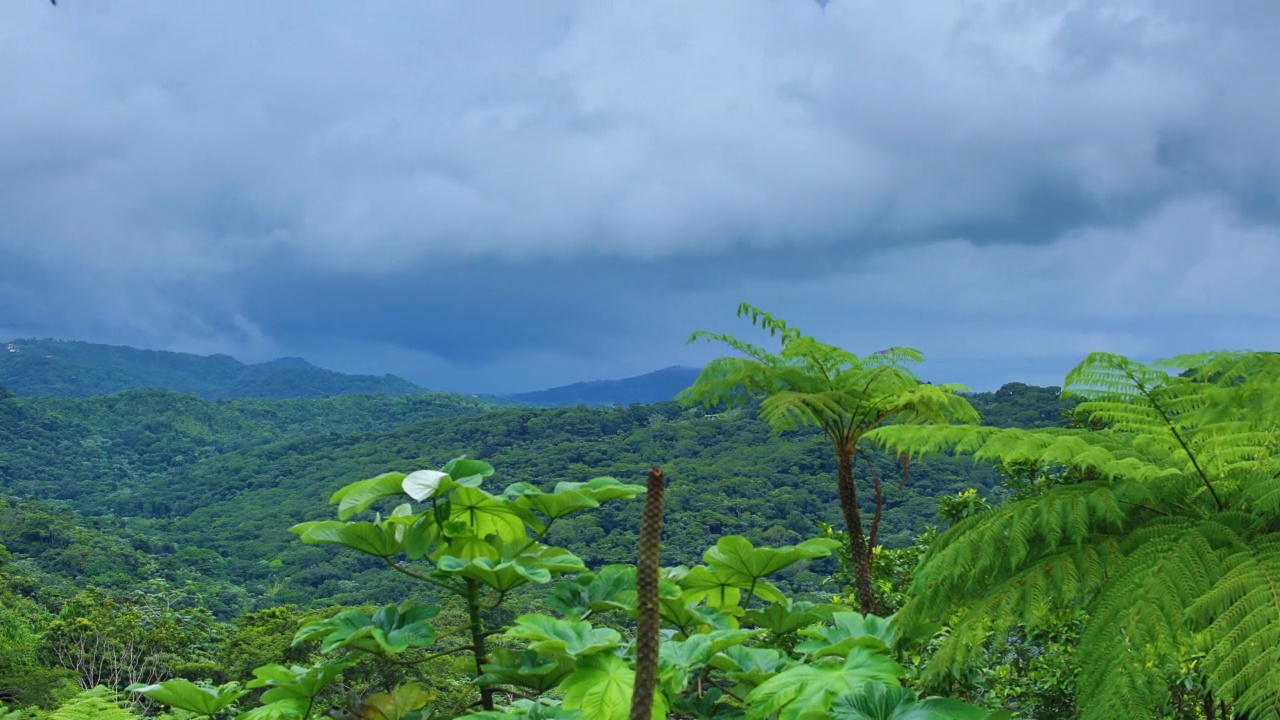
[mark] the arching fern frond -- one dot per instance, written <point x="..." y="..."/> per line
<point x="1241" y="612"/>
<point x="1169" y="536"/>
<point x="1103" y="453"/>
<point x="811" y="383"/>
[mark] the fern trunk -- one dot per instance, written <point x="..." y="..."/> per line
<point x="859" y="553"/>
<point x="648" y="619"/>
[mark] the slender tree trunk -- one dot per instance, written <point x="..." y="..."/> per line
<point x="480" y="648"/>
<point x="648" y="615"/>
<point x="858" y="550"/>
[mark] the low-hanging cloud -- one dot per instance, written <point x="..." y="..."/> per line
<point x="574" y="180"/>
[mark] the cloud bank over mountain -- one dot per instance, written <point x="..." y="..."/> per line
<point x="499" y="196"/>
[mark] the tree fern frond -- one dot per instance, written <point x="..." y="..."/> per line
<point x="1262" y="494"/>
<point x="754" y="352"/>
<point x="894" y="357"/>
<point x="1109" y="376"/>
<point x="765" y="321"/>
<point x="1182" y="487"/>
<point x="1137" y="627"/>
<point x="787" y="410"/>
<point x="1056" y="580"/>
<point x="977" y="551"/>
<point x="1241" y="614"/>
<point x="1099" y="452"/>
<point x="933" y="404"/>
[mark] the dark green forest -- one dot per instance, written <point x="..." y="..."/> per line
<point x="219" y="481"/>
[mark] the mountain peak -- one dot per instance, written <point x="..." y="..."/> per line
<point x="83" y="369"/>
<point x="295" y="362"/>
<point x="657" y="386"/>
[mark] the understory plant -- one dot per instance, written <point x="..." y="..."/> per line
<point x="733" y="645"/>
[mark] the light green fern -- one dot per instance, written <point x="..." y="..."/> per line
<point x="811" y="383"/>
<point x="1170" y="535"/>
<point x="97" y="704"/>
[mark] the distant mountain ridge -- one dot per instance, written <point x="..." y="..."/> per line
<point x="658" y="386"/>
<point x="81" y="369"/>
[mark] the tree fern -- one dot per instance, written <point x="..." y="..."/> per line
<point x="1169" y="534"/>
<point x="810" y="383"/>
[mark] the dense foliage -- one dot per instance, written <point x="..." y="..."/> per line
<point x="96" y="451"/>
<point x="1159" y="520"/>
<point x="165" y="555"/>
<point x="216" y="482"/>
<point x="728" y="626"/>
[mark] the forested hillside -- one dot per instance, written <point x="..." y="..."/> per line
<point x="78" y="448"/>
<point x="223" y="480"/>
<point x="80" y="369"/>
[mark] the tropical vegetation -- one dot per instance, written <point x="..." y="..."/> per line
<point x="1107" y="551"/>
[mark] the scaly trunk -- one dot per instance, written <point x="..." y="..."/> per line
<point x="648" y="616"/>
<point x="478" y="644"/>
<point x="858" y="550"/>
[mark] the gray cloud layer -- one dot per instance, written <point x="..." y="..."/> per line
<point x="499" y="195"/>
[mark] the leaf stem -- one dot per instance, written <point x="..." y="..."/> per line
<point x="424" y="578"/>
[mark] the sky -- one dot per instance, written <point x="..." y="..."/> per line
<point x="500" y="196"/>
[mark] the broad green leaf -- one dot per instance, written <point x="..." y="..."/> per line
<point x="466" y="472"/>
<point x="692" y="618"/>
<point x="751" y="666"/>
<point x="287" y="709"/>
<point x="420" y="536"/>
<point x="606" y="588"/>
<point x="735" y="553"/>
<point x="541" y="709"/>
<point x="286" y="684"/>
<point x="812" y="688"/>
<point x="349" y="628"/>
<point x="501" y="575"/>
<point x="876" y="701"/>
<point x="357" y="497"/>
<point x="392" y="629"/>
<point x="724" y="588"/>
<point x="496" y="564"/>
<point x="602" y="489"/>
<point x="489" y="514"/>
<point x="711" y="705"/>
<point x="699" y="649"/>
<point x="601" y="687"/>
<point x="403" y="703"/>
<point x="186" y="695"/>
<point x="375" y="539"/>
<point x="680" y="658"/>
<point x="613" y="587"/>
<point x="525" y="668"/>
<point x="555" y="560"/>
<point x="780" y="619"/>
<point x="553" y="505"/>
<point x="572" y="638"/>
<point x="849" y="629"/>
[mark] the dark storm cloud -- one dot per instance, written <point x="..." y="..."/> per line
<point x="501" y="194"/>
